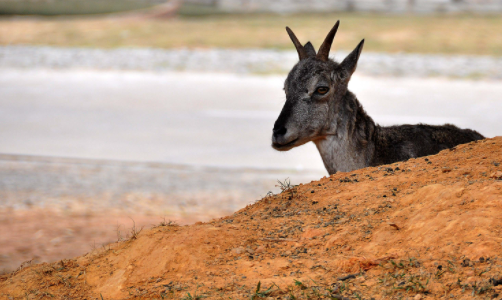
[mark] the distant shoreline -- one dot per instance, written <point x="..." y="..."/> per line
<point x="247" y="61"/>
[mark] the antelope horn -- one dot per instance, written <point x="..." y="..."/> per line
<point x="323" y="52"/>
<point x="302" y="54"/>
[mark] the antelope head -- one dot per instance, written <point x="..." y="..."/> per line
<point x="314" y="89"/>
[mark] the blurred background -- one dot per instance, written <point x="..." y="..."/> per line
<point x="122" y="113"/>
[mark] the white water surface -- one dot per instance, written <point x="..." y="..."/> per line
<point x="221" y="120"/>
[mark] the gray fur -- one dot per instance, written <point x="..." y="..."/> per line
<point x="346" y="137"/>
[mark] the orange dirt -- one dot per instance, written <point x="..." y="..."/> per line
<point x="422" y="229"/>
<point x="45" y="235"/>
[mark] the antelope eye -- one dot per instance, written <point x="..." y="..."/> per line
<point x="322" y="90"/>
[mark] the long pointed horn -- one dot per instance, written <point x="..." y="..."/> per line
<point x="323" y="52"/>
<point x="302" y="54"/>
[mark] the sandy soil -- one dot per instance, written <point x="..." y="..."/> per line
<point x="426" y="228"/>
<point x="38" y="235"/>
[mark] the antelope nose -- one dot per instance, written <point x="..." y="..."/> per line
<point x="279" y="131"/>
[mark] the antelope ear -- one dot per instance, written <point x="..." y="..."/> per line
<point x="302" y="54"/>
<point x="349" y="64"/>
<point x="309" y="49"/>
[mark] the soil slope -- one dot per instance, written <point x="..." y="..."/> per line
<point x="422" y="229"/>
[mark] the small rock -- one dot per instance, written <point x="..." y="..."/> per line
<point x="471" y="279"/>
<point x="496" y="175"/>
<point x="238" y="250"/>
<point x="260" y="249"/>
<point x="56" y="241"/>
<point x="417" y="297"/>
<point x="495" y="282"/>
<point x="393" y="225"/>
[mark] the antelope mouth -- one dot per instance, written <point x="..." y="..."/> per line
<point x="284" y="147"/>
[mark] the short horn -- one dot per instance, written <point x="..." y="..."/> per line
<point x="323" y="53"/>
<point x="302" y="54"/>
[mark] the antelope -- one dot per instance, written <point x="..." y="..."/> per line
<point x="319" y="108"/>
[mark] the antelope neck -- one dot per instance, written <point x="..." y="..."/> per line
<point x="352" y="145"/>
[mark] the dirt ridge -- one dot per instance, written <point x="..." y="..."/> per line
<point x="426" y="228"/>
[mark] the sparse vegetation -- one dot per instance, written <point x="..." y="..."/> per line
<point x="189" y="296"/>
<point x="259" y="293"/>
<point x="285" y="185"/>
<point x="134" y="233"/>
<point x="119" y="234"/>
<point x="167" y="223"/>
<point x="287" y="189"/>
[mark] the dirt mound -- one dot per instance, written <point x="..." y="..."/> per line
<point x="422" y="229"/>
